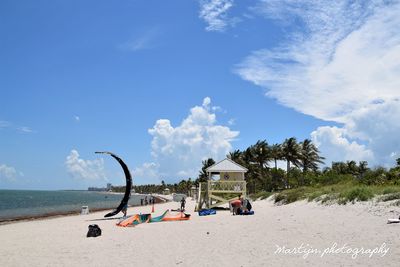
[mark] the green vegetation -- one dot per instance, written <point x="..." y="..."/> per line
<point x="342" y="182"/>
<point x="342" y="193"/>
<point x="181" y="187"/>
<point x="360" y="193"/>
<point x="396" y="203"/>
<point x="389" y="197"/>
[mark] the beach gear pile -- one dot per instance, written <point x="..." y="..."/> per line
<point x="250" y="212"/>
<point x="147" y="218"/>
<point x="241" y="207"/>
<point x="206" y="212"/>
<point x="94" y="231"/>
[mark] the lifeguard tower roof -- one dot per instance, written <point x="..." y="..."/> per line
<point x="226" y="165"/>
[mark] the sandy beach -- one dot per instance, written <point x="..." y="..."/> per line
<point x="268" y="238"/>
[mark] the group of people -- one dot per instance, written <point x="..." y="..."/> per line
<point x="145" y="201"/>
<point x="240" y="206"/>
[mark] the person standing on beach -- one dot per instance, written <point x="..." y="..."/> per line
<point x="183" y="202"/>
<point x="125" y="209"/>
<point x="236" y="205"/>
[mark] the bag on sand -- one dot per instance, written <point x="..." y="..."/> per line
<point x="249" y="207"/>
<point x="94" y="231"/>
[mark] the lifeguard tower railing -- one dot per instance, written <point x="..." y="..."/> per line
<point x="216" y="193"/>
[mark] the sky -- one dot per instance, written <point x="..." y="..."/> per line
<point x="167" y="84"/>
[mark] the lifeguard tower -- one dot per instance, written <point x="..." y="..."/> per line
<point x="166" y="191"/>
<point x="229" y="185"/>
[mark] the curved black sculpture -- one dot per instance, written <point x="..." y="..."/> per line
<point x="128" y="178"/>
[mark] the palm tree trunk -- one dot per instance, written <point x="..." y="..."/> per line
<point x="276" y="165"/>
<point x="287" y="173"/>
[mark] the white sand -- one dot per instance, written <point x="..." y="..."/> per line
<point x="232" y="240"/>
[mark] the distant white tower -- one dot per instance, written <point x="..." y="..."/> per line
<point x="109" y="187"/>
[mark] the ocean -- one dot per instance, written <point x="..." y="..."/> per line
<point x="15" y="204"/>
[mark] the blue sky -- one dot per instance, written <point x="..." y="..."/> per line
<point x="165" y="84"/>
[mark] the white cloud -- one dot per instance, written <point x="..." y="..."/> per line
<point x="206" y="102"/>
<point x="8" y="173"/>
<point x="141" y="42"/>
<point x="148" y="171"/>
<point x="343" y="67"/>
<point x="84" y="169"/>
<point x="77" y="118"/>
<point x="178" y="151"/>
<point x="335" y="145"/>
<point x="20" y="129"/>
<point x="4" y="124"/>
<point x="379" y="125"/>
<point x="214" y="13"/>
<point x="25" y="129"/>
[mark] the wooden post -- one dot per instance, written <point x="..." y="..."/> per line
<point x="208" y="194"/>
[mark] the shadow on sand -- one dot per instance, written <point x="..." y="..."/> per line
<point x="107" y="219"/>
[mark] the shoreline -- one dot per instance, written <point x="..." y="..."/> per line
<point x="27" y="218"/>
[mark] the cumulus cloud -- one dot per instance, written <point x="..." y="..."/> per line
<point x="232" y="121"/>
<point x="178" y="151"/>
<point x="8" y="173"/>
<point x="344" y="66"/>
<point x="214" y="13"/>
<point x="335" y="144"/>
<point x="84" y="169"/>
<point x="149" y="171"/>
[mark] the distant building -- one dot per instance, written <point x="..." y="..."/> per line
<point x="101" y="189"/>
<point x="109" y="187"/>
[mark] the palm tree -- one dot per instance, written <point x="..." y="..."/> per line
<point x="261" y="154"/>
<point x="276" y="153"/>
<point x="352" y="167"/>
<point x="310" y="157"/>
<point x="362" y="168"/>
<point x="291" y="153"/>
<point x="340" y="167"/>
<point x="248" y="162"/>
<point x="203" y="176"/>
<point x="248" y="157"/>
<point x="236" y="156"/>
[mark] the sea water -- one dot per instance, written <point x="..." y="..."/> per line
<point x="28" y="203"/>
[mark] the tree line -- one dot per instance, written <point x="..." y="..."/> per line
<point x="182" y="187"/>
<point x="261" y="160"/>
<point x="302" y="169"/>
